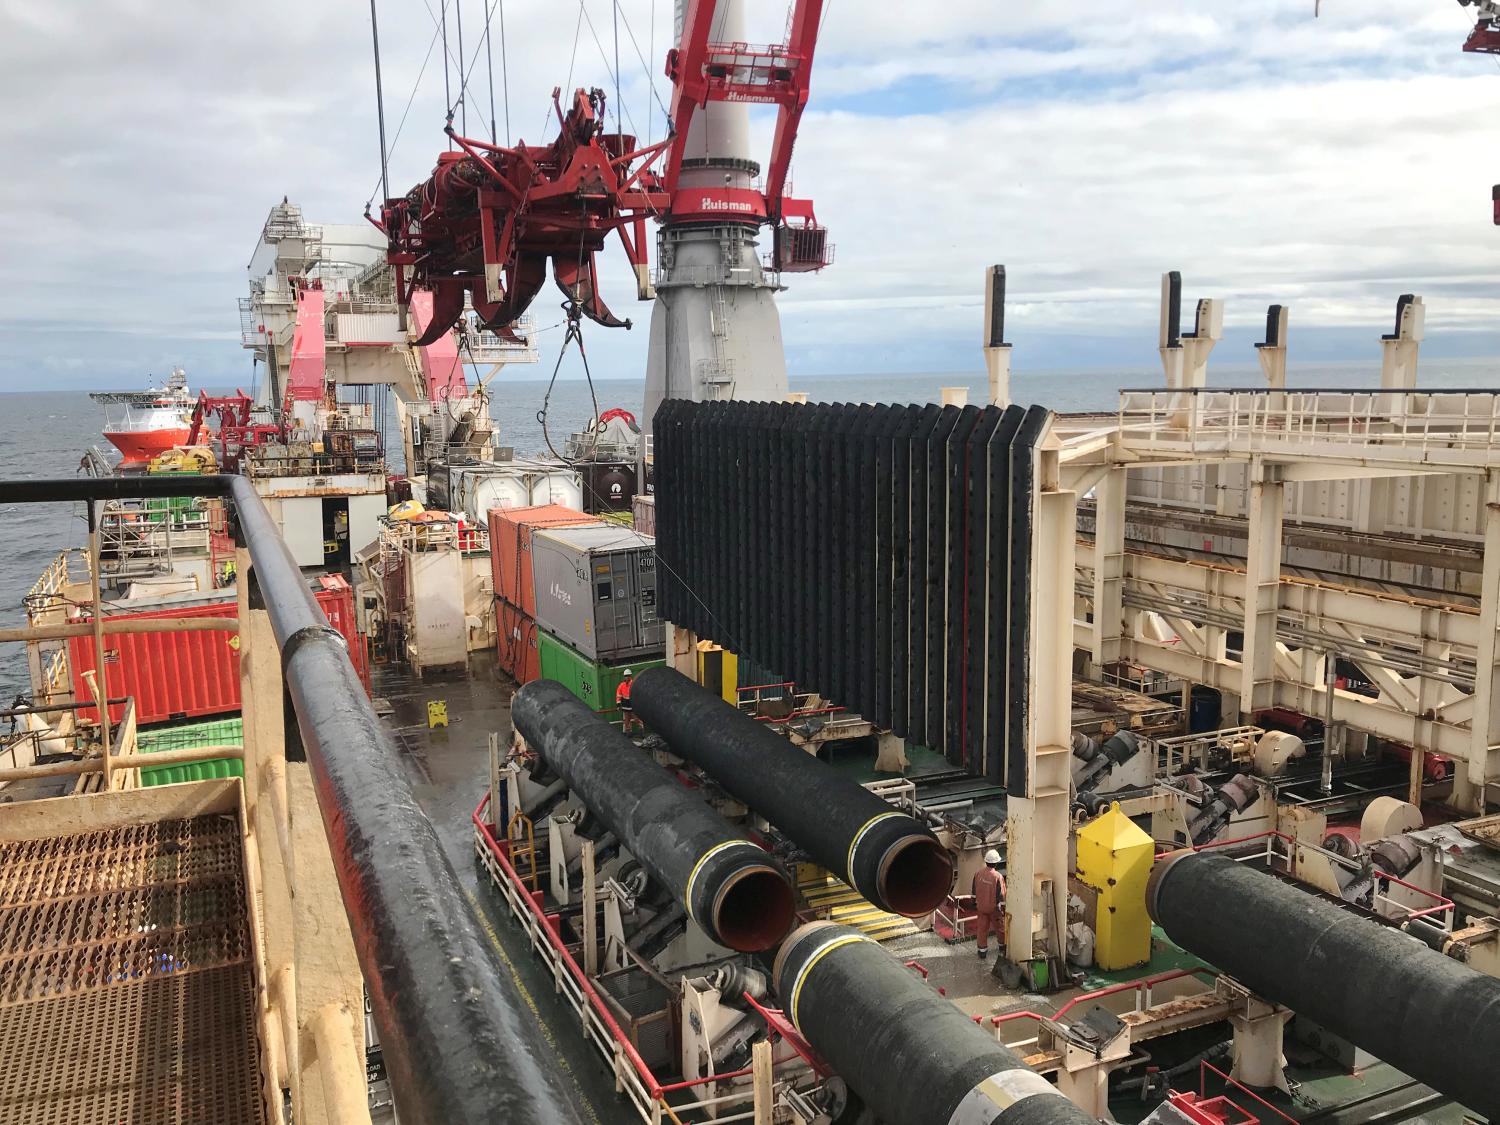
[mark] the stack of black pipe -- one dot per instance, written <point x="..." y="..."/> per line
<point x="878" y="554"/>
<point x="738" y="894"/>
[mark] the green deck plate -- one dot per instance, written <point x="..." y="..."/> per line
<point x="184" y="736"/>
<point x="1165" y="957"/>
<point x="856" y="760"/>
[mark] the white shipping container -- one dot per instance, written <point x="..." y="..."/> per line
<point x="437" y="633"/>
<point x="369" y="328"/>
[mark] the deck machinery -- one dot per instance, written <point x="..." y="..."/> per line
<point x="1353" y="718"/>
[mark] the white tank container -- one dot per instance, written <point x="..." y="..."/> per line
<point x="512" y="484"/>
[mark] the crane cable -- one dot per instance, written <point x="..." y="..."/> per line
<point x="619" y="102"/>
<point x="447" y="89"/>
<point x="573" y="308"/>
<point x="421" y="73"/>
<point x="489" y="65"/>
<point x="573" y="311"/>
<point x="463" y="79"/>
<point x="504" y="71"/>
<point x="385" y="184"/>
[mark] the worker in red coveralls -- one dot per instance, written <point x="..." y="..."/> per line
<point x="989" y="901"/>
<point x="628" y="720"/>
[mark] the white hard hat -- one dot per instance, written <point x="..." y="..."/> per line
<point x="992" y="856"/>
<point x="627" y="672"/>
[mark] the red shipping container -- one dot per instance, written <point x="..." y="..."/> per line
<point x="510" y="548"/>
<point x="520" y="658"/>
<point x="188" y="675"/>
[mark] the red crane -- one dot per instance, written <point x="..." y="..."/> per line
<point x="225" y="421"/>
<point x="701" y="72"/>
<point x="488" y="219"/>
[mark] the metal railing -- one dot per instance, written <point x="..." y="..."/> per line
<point x="701" y="276"/>
<point x="397" y="536"/>
<point x="1205" y="1068"/>
<point x="313" y="465"/>
<point x="1142" y="987"/>
<point x="140" y="541"/>
<point x="1212" y="419"/>
<point x="1184" y="751"/>
<point x="46" y="594"/>
<point x="479" y="345"/>
<point x="252" y="332"/>
<point x="899" y="792"/>
<point x="954" y="918"/>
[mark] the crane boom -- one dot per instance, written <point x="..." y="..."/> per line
<point x="778" y="74"/>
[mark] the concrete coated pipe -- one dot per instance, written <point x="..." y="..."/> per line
<point x="911" y="1055"/>
<point x="891" y="858"/>
<point x="1427" y="1015"/>
<point x="734" y="890"/>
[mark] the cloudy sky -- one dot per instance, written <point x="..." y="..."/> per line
<point x="1326" y="163"/>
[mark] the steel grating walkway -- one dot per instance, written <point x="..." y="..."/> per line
<point x="127" y="988"/>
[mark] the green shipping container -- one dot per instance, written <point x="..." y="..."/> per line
<point x="218" y="732"/>
<point x="591" y="681"/>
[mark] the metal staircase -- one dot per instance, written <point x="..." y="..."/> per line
<point x="837" y="901"/>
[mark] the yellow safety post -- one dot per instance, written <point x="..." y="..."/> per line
<point x="718" y="671"/>
<point x="1114" y="859"/>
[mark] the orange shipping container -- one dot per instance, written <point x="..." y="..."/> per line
<point x="510" y="548"/>
<point x="190" y="675"/>
<point x="520" y="658"/>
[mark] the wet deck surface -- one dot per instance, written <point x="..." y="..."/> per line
<point x="449" y="769"/>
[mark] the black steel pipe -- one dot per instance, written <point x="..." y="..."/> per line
<point x="733" y="889"/>
<point x="909" y="1053"/>
<point x="1427" y="1015"/>
<point x="891" y="858"/>
<point x="459" y="1042"/>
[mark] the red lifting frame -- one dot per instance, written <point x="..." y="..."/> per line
<point x="489" y="217"/>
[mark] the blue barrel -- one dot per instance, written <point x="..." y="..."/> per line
<point x="1205" y="709"/>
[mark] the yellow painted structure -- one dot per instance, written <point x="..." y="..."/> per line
<point x="719" y="671"/>
<point x="1114" y="858"/>
<point x="437" y="713"/>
